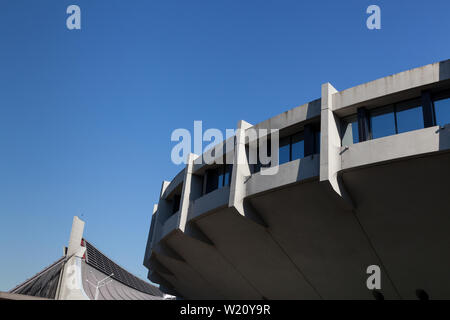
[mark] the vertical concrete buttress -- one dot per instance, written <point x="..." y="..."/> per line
<point x="241" y="172"/>
<point x="330" y="144"/>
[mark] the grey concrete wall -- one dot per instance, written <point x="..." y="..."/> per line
<point x="240" y="224"/>
<point x="210" y="201"/>
<point x="175" y="183"/>
<point x="289" y="173"/>
<point x="403" y="81"/>
<point x="291" y="117"/>
<point x="170" y="224"/>
<point x="409" y="144"/>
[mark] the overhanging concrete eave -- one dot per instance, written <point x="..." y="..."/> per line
<point x="403" y="208"/>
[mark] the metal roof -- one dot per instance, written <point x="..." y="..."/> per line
<point x="43" y="284"/>
<point x="111" y="289"/>
<point x="95" y="266"/>
<point x="101" y="262"/>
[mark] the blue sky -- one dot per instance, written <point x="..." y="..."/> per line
<point x="86" y="116"/>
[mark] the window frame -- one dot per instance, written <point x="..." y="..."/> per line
<point x="221" y="170"/>
<point x="380" y="111"/>
<point x="442" y="95"/>
<point x="395" y="109"/>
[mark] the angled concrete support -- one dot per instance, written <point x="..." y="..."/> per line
<point x="161" y="214"/>
<point x="164" y="249"/>
<point x="159" y="267"/>
<point x="253" y="214"/>
<point x="330" y="145"/>
<point x="241" y="172"/>
<point x="148" y="248"/>
<point x="165" y="285"/>
<point x="192" y="189"/>
<point x="196" y="233"/>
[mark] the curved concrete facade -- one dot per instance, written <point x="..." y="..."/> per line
<point x="311" y="230"/>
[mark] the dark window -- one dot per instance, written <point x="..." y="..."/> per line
<point x="292" y="148"/>
<point x="385" y="121"/>
<point x="221" y="180"/>
<point x="442" y="111"/>
<point x="218" y="177"/>
<point x="382" y="122"/>
<point x="298" y="146"/>
<point x="212" y="180"/>
<point x="176" y="203"/>
<point x="284" y="154"/>
<point x="257" y="167"/>
<point x="227" y="175"/>
<point x="408" y="117"/>
<point x="317" y="142"/>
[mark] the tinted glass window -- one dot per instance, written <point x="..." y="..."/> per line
<point x="227" y="175"/>
<point x="176" y="203"/>
<point x="291" y="148"/>
<point x="298" y="146"/>
<point x="218" y="177"/>
<point x="317" y="142"/>
<point x="409" y="119"/>
<point x="212" y="180"/>
<point x="382" y="122"/>
<point x="221" y="180"/>
<point x="284" y="155"/>
<point x="442" y="109"/>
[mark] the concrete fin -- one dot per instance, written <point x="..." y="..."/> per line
<point x="251" y="213"/>
<point x="165" y="285"/>
<point x="164" y="249"/>
<point x="75" y="236"/>
<point x="196" y="233"/>
<point x="158" y="267"/>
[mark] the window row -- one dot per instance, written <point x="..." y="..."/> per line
<point x="217" y="178"/>
<point x="295" y="146"/>
<point x="394" y="119"/>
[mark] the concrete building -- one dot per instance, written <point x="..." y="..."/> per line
<point x="83" y="273"/>
<point x="363" y="180"/>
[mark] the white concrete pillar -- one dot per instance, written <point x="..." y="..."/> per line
<point x="330" y="144"/>
<point x="191" y="189"/>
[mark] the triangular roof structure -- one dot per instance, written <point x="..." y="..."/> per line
<point x="84" y="272"/>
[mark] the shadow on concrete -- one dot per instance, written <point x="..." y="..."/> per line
<point x="444" y="70"/>
<point x="313" y="108"/>
<point x="444" y="137"/>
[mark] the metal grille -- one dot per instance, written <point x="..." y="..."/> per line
<point x="102" y="263"/>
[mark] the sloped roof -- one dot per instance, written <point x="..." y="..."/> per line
<point x="112" y="289"/>
<point x="43" y="284"/>
<point x="95" y="266"/>
<point x="96" y="259"/>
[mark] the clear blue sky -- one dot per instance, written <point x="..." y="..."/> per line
<point x="86" y="116"/>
